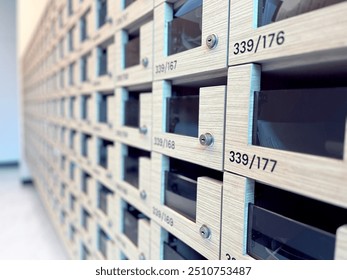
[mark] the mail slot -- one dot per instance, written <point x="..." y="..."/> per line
<point x="103" y="152"/>
<point x="181" y="186"/>
<point x="85" y="216"/>
<point x="275" y="10"/>
<point x="131" y="223"/>
<point x="131" y="107"/>
<point x="132" y="165"/>
<point x="132" y="50"/>
<point x="104" y="52"/>
<point x="310" y="121"/>
<point x="175" y="249"/>
<point x="183" y="111"/>
<point x="85" y="107"/>
<point x="105" y="100"/>
<point x="85" y="143"/>
<point x="184" y="30"/>
<point x="284" y="225"/>
<point x="104" y="194"/>
<point x="103" y="242"/>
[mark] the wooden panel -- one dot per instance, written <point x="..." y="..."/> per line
<point x="300" y="34"/>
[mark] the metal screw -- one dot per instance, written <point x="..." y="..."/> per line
<point x="143" y="194"/>
<point x="211" y="41"/>
<point x="142" y="257"/>
<point x="145" y="62"/>
<point x="143" y="130"/>
<point x="205" y="232"/>
<point x="206" y="139"/>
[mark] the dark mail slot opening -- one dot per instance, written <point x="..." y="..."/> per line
<point x="132" y="50"/>
<point x="175" y="249"/>
<point x="310" y="121"/>
<point x="103" y="239"/>
<point x="85" y="177"/>
<point x="132" y="109"/>
<point x="86" y="100"/>
<point x="84" y="145"/>
<point x="84" y="252"/>
<point x="131" y="223"/>
<point x="72" y="139"/>
<point x="103" y="193"/>
<point x="284" y="225"/>
<point x="185" y="29"/>
<point x="72" y="169"/>
<point x="276" y="10"/>
<point x="85" y="218"/>
<point x="183" y="111"/>
<point x="131" y="165"/>
<point x="103" y="156"/>
<point x="128" y="3"/>
<point x="181" y="186"/>
<point x="103" y="99"/>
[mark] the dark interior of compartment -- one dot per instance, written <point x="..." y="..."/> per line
<point x="131" y="165"/>
<point x="184" y="30"/>
<point x="310" y="121"/>
<point x="183" y="111"/>
<point x="132" y="50"/>
<point x="132" y="110"/>
<point x="128" y="2"/>
<point x="85" y="217"/>
<point x="104" y="192"/>
<point x="103" y="151"/>
<point x="85" y="139"/>
<point x="275" y="10"/>
<point x="102" y="100"/>
<point x="131" y="227"/>
<point x="181" y="186"/>
<point x="284" y="225"/>
<point x="300" y="208"/>
<point x="85" y="100"/>
<point x="175" y="249"/>
<point x="85" y="177"/>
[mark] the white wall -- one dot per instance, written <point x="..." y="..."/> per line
<point x="9" y="112"/>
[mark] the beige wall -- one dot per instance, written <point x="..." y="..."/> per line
<point x="29" y="12"/>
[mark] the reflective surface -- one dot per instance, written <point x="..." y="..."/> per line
<point x="310" y="121"/>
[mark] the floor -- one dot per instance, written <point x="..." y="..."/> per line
<point x="26" y="232"/>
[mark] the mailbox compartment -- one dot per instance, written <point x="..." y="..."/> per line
<point x="189" y="119"/>
<point x="186" y="200"/>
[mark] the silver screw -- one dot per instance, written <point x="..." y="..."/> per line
<point x="205" y="232"/>
<point x="143" y="194"/>
<point x="143" y="130"/>
<point x="211" y="41"/>
<point x="206" y="139"/>
<point x="142" y="257"/>
<point x="145" y="62"/>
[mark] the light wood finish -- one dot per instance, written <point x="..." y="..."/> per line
<point x="197" y="60"/>
<point x="237" y="193"/>
<point x="312" y="176"/>
<point x="158" y="236"/>
<point x="208" y="211"/>
<point x="310" y="38"/>
<point x="341" y="243"/>
<point x="211" y="120"/>
<point x="135" y="12"/>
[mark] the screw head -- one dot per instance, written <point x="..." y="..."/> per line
<point x="211" y="41"/>
<point x="143" y="194"/>
<point x="144" y="62"/>
<point x="143" y="130"/>
<point x="205" y="232"/>
<point x="142" y="257"/>
<point x="206" y="139"/>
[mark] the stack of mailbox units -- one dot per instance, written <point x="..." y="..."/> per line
<point x="191" y="129"/>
